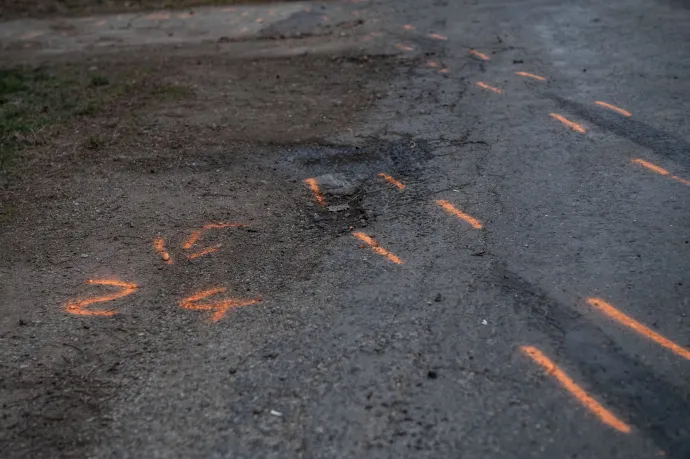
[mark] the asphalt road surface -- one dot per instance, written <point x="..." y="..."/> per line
<point x="467" y="237"/>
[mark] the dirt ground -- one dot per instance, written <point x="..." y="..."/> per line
<point x="168" y="144"/>
<point x="12" y="9"/>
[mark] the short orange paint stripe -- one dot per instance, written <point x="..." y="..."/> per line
<point x="438" y="37"/>
<point x="192" y="239"/>
<point x="193" y="256"/>
<point x="481" y="56"/>
<point x="481" y="84"/>
<point x="409" y="27"/>
<point x="371" y="242"/>
<point x="629" y="322"/>
<point x="572" y="125"/>
<point x="613" y="107"/>
<point x="595" y="407"/>
<point x="451" y="209"/>
<point x="314" y="187"/>
<point x="222" y="225"/>
<point x="392" y="181"/>
<point x="531" y="75"/>
<point x="650" y="166"/>
<point x="187" y="302"/>
<point x="402" y="47"/>
<point x="159" y="245"/>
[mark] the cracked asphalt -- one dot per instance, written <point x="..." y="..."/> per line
<point x="350" y="353"/>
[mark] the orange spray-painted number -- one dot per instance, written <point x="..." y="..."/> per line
<point x="578" y="392"/>
<point x="631" y="323"/>
<point x="219" y="307"/>
<point x="79" y="307"/>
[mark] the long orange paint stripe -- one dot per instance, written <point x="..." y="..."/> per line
<point x="404" y="47"/>
<point x="481" y="84"/>
<point x="650" y="166"/>
<point x="629" y="322"/>
<point x="371" y="242"/>
<point x="481" y="56"/>
<point x="660" y="170"/>
<point x="314" y="187"/>
<point x="392" y="181"/>
<point x="159" y="245"/>
<point x="451" y="209"/>
<point x="531" y="75"/>
<point x="222" y="225"/>
<point x="613" y="107"/>
<point x="438" y="37"/>
<point x="595" y="407"/>
<point x="572" y="125"/>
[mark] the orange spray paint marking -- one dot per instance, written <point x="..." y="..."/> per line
<point x="452" y="210"/>
<point x="650" y="166"/>
<point x="479" y="55"/>
<point x="613" y="107"/>
<point x="371" y="242"/>
<point x="432" y="64"/>
<point x="438" y="37"/>
<point x="193" y="256"/>
<point x="629" y="322"/>
<point x="184" y="15"/>
<point x="481" y="84"/>
<point x="158" y="16"/>
<point x="531" y="75"/>
<point x="681" y="180"/>
<point x="219" y="307"/>
<point x="392" y="181"/>
<point x="402" y="47"/>
<point x="159" y="245"/>
<point x="79" y="307"/>
<point x="314" y="187"/>
<point x="197" y="234"/>
<point x="409" y="27"/>
<point x="592" y="405"/>
<point x="572" y="125"/>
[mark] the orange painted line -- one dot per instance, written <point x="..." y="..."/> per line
<point x="578" y="392"/>
<point x="572" y="125"/>
<point x="192" y="239"/>
<point x="432" y="64"/>
<point x="613" y="107"/>
<point x="402" y="47"/>
<point x="392" y="181"/>
<point x="159" y="245"/>
<point x="650" y="166"/>
<point x="409" y="27"/>
<point x="314" y="187"/>
<point x="443" y="71"/>
<point x="481" y="84"/>
<point x="629" y="322"/>
<point x="220" y="307"/>
<point x="531" y="75"/>
<point x="681" y="180"/>
<point x="438" y="37"/>
<point x="371" y="242"/>
<point x="452" y="210"/>
<point x="195" y="255"/>
<point x="79" y="307"/>
<point x="481" y="56"/>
